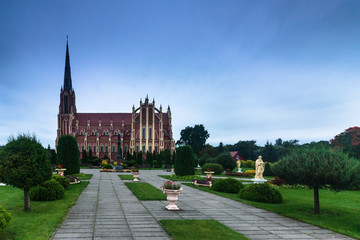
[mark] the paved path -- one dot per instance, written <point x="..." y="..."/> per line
<point x="108" y="210"/>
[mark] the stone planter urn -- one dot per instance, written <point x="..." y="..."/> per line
<point x="60" y="171"/>
<point x="172" y="197"/>
<point x="209" y="175"/>
<point x="136" y="175"/>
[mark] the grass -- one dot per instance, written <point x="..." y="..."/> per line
<point x="340" y="212"/>
<point x="83" y="176"/>
<point x="127" y="177"/>
<point x="145" y="191"/>
<point x="199" y="229"/>
<point x="187" y="178"/>
<point x="40" y="222"/>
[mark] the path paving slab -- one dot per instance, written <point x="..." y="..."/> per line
<point x="108" y="210"/>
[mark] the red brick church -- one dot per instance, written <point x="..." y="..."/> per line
<point x="145" y="128"/>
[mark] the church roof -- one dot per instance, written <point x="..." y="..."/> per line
<point x="104" y="117"/>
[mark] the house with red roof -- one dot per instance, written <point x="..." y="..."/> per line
<point x="236" y="156"/>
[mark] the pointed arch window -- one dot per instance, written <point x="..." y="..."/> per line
<point x="82" y="132"/>
<point x="106" y="132"/>
<point x="94" y="132"/>
<point x="150" y="132"/>
<point x="125" y="148"/>
<point x="117" y="132"/>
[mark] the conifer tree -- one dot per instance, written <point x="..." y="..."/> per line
<point x="139" y="158"/>
<point x="68" y="154"/>
<point x="318" y="167"/>
<point x="84" y="158"/>
<point x="149" y="159"/>
<point x="24" y="163"/>
<point x="184" y="162"/>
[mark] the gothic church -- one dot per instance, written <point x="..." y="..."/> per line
<point x="146" y="128"/>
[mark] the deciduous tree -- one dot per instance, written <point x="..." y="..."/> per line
<point x="348" y="141"/>
<point x="195" y="137"/>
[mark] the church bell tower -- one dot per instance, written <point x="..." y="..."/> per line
<point x="67" y="108"/>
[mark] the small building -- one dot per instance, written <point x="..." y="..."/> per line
<point x="236" y="156"/>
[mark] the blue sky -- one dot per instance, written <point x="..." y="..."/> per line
<point x="247" y="70"/>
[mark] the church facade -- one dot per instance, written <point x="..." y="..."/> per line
<point x="145" y="128"/>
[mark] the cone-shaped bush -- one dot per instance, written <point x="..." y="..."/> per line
<point x="184" y="162"/>
<point x="68" y="154"/>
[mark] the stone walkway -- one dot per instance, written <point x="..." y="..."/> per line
<point x="107" y="209"/>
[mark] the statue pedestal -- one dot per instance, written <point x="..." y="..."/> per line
<point x="118" y="167"/>
<point x="257" y="181"/>
<point x="239" y="170"/>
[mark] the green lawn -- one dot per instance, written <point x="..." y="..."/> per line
<point x="340" y="212"/>
<point x="83" y="176"/>
<point x="127" y="177"/>
<point x="187" y="178"/>
<point x="43" y="218"/>
<point x="145" y="191"/>
<point x="199" y="229"/>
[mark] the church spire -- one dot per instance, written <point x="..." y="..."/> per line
<point x="67" y="74"/>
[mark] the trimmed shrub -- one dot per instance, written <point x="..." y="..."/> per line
<point x="228" y="185"/>
<point x="5" y="218"/>
<point x="62" y="180"/>
<point x="253" y="165"/>
<point x="261" y="193"/>
<point x="226" y="161"/>
<point x="247" y="164"/>
<point x="47" y="191"/>
<point x="184" y="162"/>
<point x="68" y="154"/>
<point x="217" y="168"/>
<point x="108" y="166"/>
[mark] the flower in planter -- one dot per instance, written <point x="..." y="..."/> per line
<point x="59" y="166"/>
<point x="134" y="169"/>
<point x="202" y="181"/>
<point x="73" y="179"/>
<point x="171" y="185"/>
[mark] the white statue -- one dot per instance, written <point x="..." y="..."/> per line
<point x="238" y="163"/>
<point x="260" y="167"/>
